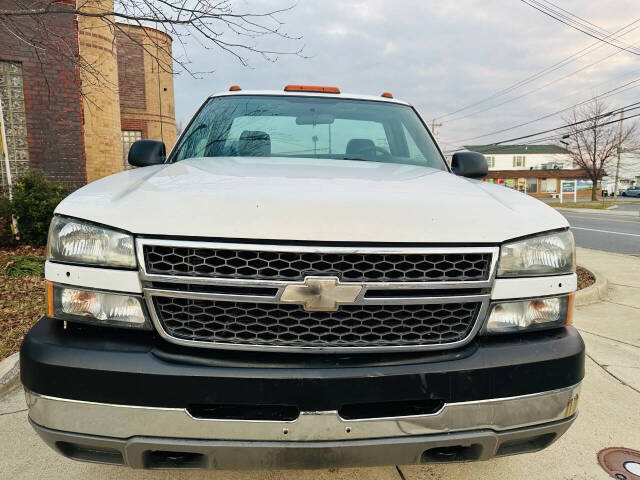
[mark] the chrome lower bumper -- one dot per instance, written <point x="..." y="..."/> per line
<point x="147" y="437"/>
<point x="124" y="421"/>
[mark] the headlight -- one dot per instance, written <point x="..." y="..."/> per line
<point x="76" y="241"/>
<point x="97" y="308"/>
<point x="534" y="314"/>
<point x="550" y="254"/>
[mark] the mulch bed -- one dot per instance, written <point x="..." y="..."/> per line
<point x="22" y="301"/>
<point x="585" y="278"/>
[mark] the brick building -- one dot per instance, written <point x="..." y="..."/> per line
<point x="58" y="119"/>
<point x="147" y="107"/>
<point x="542" y="171"/>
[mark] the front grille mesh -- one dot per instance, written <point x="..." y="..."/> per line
<point x="362" y="267"/>
<point x="290" y="325"/>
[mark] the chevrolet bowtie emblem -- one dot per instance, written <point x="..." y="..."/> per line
<point x="320" y="294"/>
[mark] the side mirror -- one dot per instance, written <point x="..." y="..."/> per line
<point x="469" y="164"/>
<point x="147" y="152"/>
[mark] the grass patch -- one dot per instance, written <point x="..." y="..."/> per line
<point x="25" y="266"/>
<point x="595" y="205"/>
<point x="598" y="205"/>
<point x="22" y="295"/>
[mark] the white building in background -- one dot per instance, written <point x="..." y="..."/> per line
<point x="543" y="171"/>
<point x="525" y="157"/>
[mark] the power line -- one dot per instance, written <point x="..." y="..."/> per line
<point x="558" y="7"/>
<point x="626" y="108"/>
<point x="559" y="137"/>
<point x="556" y="66"/>
<point x="570" y="17"/>
<point x="615" y="91"/>
<point x="551" y="13"/>
<point x="537" y="89"/>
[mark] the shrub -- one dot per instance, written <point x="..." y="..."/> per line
<point x="6" y="237"/>
<point x="33" y="203"/>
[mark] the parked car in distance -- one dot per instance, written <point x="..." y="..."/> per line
<point x="632" y="192"/>
<point x="303" y="282"/>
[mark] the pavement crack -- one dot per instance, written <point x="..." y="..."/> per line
<point x="608" y="338"/>
<point x="620" y="366"/>
<point x="623" y="304"/>
<point x="624" y="285"/>
<point x="15" y="411"/>
<point x="400" y="473"/>
<point x="614" y="376"/>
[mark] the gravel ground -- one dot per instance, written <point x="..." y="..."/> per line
<point x="585" y="278"/>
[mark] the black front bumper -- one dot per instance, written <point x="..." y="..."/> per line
<point x="131" y="368"/>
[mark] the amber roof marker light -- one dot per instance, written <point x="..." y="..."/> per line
<point x="234" y="88"/>
<point x="311" y="88"/>
<point x="386" y="95"/>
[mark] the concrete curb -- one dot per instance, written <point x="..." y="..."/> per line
<point x="594" y="293"/>
<point x="9" y="373"/>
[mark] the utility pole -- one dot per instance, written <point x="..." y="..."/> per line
<point x="615" y="187"/>
<point x="4" y="154"/>
<point x="434" y="126"/>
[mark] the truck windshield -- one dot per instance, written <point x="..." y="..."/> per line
<point x="308" y="127"/>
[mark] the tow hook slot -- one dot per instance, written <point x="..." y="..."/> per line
<point x="452" y="453"/>
<point x="158" y="459"/>
<point x="274" y="413"/>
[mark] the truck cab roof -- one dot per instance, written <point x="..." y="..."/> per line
<point x="299" y="93"/>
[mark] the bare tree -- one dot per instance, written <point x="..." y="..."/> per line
<point x="595" y="136"/>
<point x="209" y="24"/>
<point x="179" y="127"/>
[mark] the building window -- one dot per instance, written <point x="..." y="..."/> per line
<point x="128" y="139"/>
<point x="549" y="185"/>
<point x="491" y="161"/>
<point x="532" y="185"/>
<point x="15" y="121"/>
<point x="519" y="161"/>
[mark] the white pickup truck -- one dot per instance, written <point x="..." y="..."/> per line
<point x="303" y="282"/>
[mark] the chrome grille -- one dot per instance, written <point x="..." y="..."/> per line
<point x="288" y="265"/>
<point x="283" y="324"/>
<point x="229" y="295"/>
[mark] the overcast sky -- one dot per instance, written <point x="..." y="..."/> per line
<point x="438" y="55"/>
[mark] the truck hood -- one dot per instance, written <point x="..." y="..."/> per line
<point x="309" y="199"/>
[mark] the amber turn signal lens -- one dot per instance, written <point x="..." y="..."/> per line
<point x="50" y="299"/>
<point x="570" y="309"/>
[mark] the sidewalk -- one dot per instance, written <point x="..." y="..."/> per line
<point x="608" y="411"/>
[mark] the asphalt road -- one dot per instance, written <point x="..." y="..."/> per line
<point x="610" y="233"/>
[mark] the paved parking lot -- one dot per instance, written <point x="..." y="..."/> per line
<point x="608" y="411"/>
